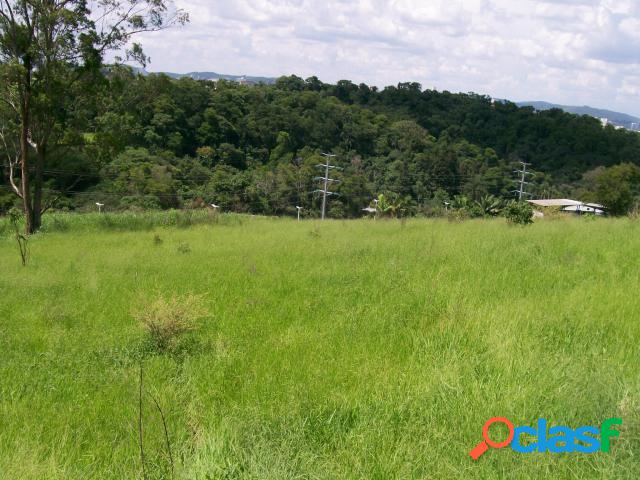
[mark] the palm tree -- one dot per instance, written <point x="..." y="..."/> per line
<point x="490" y="205"/>
<point x="389" y="207"/>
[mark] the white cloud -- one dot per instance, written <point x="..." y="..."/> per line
<point x="565" y="51"/>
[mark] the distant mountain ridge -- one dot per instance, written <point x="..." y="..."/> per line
<point x="616" y="118"/>
<point x="221" y="76"/>
<point x="213" y="76"/>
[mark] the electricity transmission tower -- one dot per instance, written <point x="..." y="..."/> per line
<point x="522" y="181"/>
<point x="326" y="181"/>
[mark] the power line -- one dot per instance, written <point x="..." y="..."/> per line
<point x="244" y="192"/>
<point x="326" y="180"/>
<point x="204" y="177"/>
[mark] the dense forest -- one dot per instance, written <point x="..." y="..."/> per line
<point x="151" y="142"/>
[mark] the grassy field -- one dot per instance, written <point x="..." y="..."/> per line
<point x="358" y="350"/>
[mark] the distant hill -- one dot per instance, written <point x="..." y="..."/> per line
<point x="212" y="76"/>
<point x="617" y="118"/>
<point x="222" y="76"/>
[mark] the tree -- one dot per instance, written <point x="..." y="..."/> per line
<point x="424" y="146"/>
<point x="47" y="47"/>
<point x="489" y="205"/>
<point x="519" y="213"/>
<point x="226" y="187"/>
<point x="142" y="180"/>
<point x="615" y="187"/>
<point x="390" y="205"/>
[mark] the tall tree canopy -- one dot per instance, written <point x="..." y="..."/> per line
<point x="148" y="141"/>
<point x="50" y="53"/>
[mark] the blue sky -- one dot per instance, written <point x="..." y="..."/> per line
<point x="578" y="52"/>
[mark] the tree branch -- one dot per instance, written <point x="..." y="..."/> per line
<point x="61" y="193"/>
<point x="13" y="162"/>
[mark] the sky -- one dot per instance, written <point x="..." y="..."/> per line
<point x="573" y="52"/>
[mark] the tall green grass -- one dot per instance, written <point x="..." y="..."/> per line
<point x="355" y="349"/>
<point x="127" y="221"/>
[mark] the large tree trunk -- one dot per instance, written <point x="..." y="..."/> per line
<point x="38" y="183"/>
<point x="24" y="152"/>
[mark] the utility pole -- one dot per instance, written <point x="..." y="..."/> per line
<point x="523" y="176"/>
<point x="326" y="180"/>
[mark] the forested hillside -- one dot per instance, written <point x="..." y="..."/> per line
<point x="156" y="142"/>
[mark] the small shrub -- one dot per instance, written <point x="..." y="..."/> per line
<point x="15" y="218"/>
<point x="519" y="213"/>
<point x="168" y="320"/>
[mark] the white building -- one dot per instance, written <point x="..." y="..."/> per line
<point x="572" y="206"/>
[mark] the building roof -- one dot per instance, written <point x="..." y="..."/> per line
<point x="555" y="202"/>
<point x="583" y="208"/>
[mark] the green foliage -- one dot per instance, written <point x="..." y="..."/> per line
<point x="142" y="179"/>
<point x="390" y="205"/>
<point x="465" y="207"/>
<point x="518" y="213"/>
<point x="490" y="205"/>
<point x="140" y="202"/>
<point x="16" y="219"/>
<point x="485" y="206"/>
<point x="163" y="143"/>
<point x="7" y="201"/>
<point x="617" y="187"/>
<point x="126" y="221"/>
<point x="226" y="187"/>
<point x="50" y="71"/>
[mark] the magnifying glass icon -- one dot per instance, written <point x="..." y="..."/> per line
<point x="481" y="448"/>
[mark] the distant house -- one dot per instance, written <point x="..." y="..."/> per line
<point x="571" y="206"/>
<point x="555" y="202"/>
<point x="592" y="208"/>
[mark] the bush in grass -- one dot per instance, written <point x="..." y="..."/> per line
<point x="518" y="213"/>
<point x="168" y="320"/>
